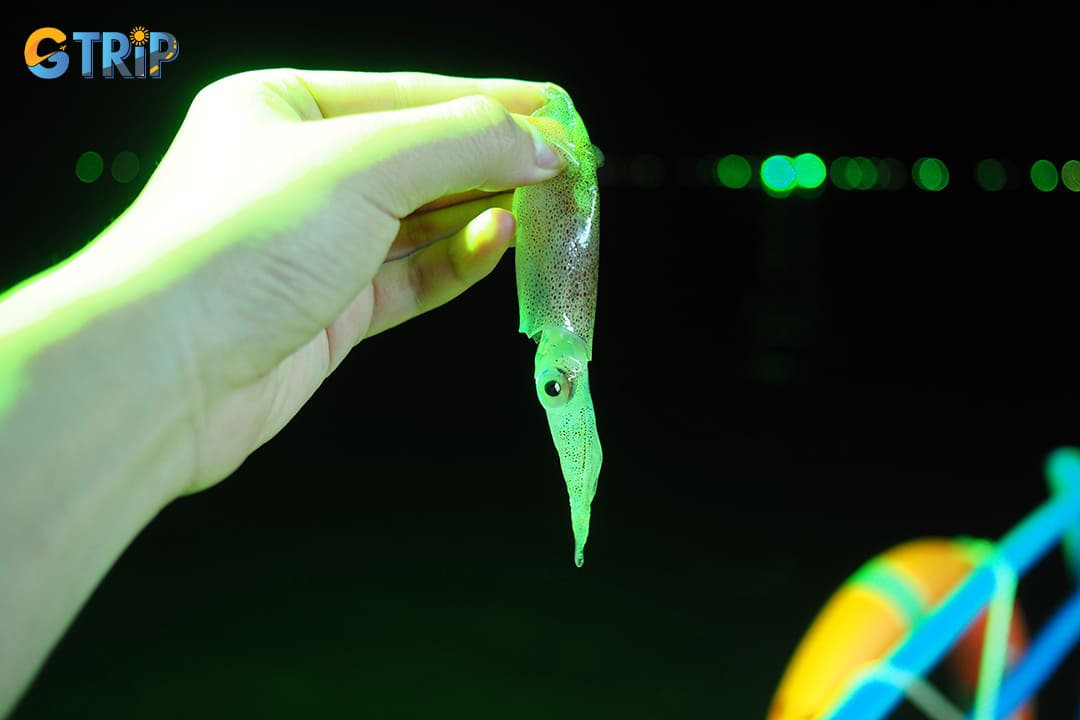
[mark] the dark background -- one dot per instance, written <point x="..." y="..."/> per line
<point x="784" y="387"/>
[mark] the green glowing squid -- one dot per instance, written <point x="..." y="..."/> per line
<point x="557" y="263"/>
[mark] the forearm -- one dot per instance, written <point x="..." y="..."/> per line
<point x="94" y="441"/>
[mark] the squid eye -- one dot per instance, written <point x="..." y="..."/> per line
<point x="554" y="388"/>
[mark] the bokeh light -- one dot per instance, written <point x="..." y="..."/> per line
<point x="89" y="166"/>
<point x="868" y="174"/>
<point x="838" y="172"/>
<point x="1070" y="175"/>
<point x="990" y="175"/>
<point x="778" y="173"/>
<point x="781" y="175"/>
<point x="733" y="171"/>
<point x="891" y="173"/>
<point x="854" y="173"/>
<point x="1044" y="175"/>
<point x="930" y="174"/>
<point x="809" y="170"/>
<point x="125" y="166"/>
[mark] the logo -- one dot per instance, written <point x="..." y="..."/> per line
<point x="48" y="53"/>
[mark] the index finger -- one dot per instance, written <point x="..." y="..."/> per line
<point x="342" y="92"/>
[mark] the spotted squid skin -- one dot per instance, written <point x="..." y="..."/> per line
<point x="557" y="265"/>
<point x="558" y="234"/>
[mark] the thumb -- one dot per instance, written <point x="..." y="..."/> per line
<point x="402" y="159"/>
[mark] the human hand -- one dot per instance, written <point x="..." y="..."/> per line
<point x="299" y="212"/>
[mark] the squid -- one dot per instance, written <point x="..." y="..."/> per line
<point x="557" y="265"/>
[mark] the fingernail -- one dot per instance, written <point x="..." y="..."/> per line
<point x="547" y="157"/>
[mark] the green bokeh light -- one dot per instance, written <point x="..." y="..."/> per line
<point x="868" y="174"/>
<point x="990" y="175"/>
<point x="125" y="166"/>
<point x="884" y="173"/>
<point x="778" y="173"/>
<point x="853" y="174"/>
<point x="1044" y="175"/>
<point x="838" y="172"/>
<point x="1070" y="175"/>
<point x="930" y="174"/>
<point x="809" y="170"/>
<point x="891" y="174"/>
<point x="89" y="166"/>
<point x="733" y="171"/>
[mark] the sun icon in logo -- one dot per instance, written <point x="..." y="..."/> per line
<point x="139" y="35"/>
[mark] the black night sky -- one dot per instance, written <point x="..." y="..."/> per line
<point x="784" y="387"/>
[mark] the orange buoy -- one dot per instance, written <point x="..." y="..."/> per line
<point x="872" y="613"/>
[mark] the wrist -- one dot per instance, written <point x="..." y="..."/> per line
<point x="96" y="363"/>
<point x="94" y="442"/>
